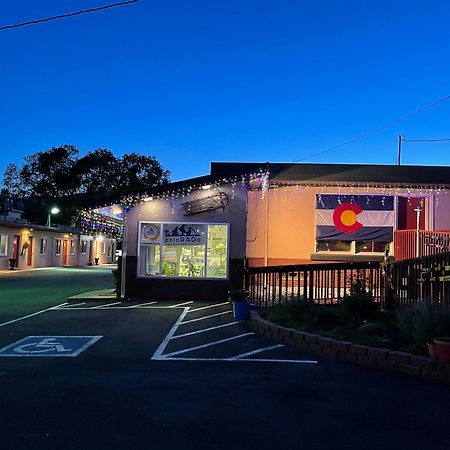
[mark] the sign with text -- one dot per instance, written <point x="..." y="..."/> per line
<point x="184" y="234"/>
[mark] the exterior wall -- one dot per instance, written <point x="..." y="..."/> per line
<point x="50" y="258"/>
<point x="172" y="211"/>
<point x="281" y="227"/>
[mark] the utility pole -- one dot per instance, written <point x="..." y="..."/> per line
<point x="400" y="139"/>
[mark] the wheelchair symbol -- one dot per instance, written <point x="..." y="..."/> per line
<point x="45" y="345"/>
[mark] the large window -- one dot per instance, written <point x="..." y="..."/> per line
<point x="185" y="250"/>
<point x="83" y="246"/>
<point x="44" y="245"/>
<point x="57" y="247"/>
<point x="3" y="244"/>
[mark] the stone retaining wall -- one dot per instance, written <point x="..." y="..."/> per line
<point x="381" y="358"/>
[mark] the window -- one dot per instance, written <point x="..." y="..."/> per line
<point x="72" y="247"/>
<point x="333" y="246"/>
<point x="103" y="244"/>
<point x="44" y="245"/>
<point x="84" y="246"/>
<point x="57" y="247"/>
<point x="190" y="250"/>
<point x="3" y="244"/>
<point x="370" y="246"/>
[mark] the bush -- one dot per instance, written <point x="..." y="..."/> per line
<point x="419" y="326"/>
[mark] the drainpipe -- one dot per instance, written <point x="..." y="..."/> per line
<point x="123" y="272"/>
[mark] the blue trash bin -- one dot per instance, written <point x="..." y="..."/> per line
<point x="241" y="310"/>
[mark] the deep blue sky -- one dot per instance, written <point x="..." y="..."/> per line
<point x="226" y="80"/>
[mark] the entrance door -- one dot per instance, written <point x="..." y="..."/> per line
<point x="30" y="251"/>
<point x="16" y="247"/>
<point x="65" y="252"/>
<point x="407" y="218"/>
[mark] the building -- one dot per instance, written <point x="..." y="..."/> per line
<point x="25" y="246"/>
<point x="194" y="238"/>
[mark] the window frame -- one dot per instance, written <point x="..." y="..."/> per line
<point x="6" y="239"/>
<point x="161" y="245"/>
<point x="58" y="244"/>
<point x="72" y="247"/>
<point x="43" y="249"/>
<point x="83" y="246"/>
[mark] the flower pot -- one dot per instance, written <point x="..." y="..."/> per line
<point x="432" y="350"/>
<point x="241" y="310"/>
<point x="442" y="345"/>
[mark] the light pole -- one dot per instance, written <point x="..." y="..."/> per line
<point x="54" y="210"/>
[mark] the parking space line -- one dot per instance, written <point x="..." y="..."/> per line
<point x="106" y="305"/>
<point x="209" y="344"/>
<point x="180" y="304"/>
<point x="142" y="304"/>
<point x="254" y="352"/>
<point x="295" y="361"/>
<point x="74" y="304"/>
<point x="206" y="317"/>
<point x="209" y="306"/>
<point x="32" y="315"/>
<point x="205" y="329"/>
<point x="164" y="343"/>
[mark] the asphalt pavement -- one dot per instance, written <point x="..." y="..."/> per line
<point x="188" y="376"/>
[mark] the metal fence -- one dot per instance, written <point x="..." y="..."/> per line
<point x="316" y="283"/>
<point x="423" y="280"/>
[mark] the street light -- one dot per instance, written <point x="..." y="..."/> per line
<point x="54" y="210"/>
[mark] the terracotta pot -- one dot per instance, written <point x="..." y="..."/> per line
<point x="443" y="349"/>
<point x="432" y="351"/>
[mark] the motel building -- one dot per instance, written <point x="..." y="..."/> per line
<point x="193" y="239"/>
<point x="28" y="246"/>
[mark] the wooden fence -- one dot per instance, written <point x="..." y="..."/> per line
<point x="429" y="243"/>
<point x="315" y="283"/>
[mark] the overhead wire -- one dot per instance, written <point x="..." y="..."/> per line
<point x="63" y="16"/>
<point x="376" y="130"/>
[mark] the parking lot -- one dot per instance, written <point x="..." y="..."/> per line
<point x="111" y="375"/>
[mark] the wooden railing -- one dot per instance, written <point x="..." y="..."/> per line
<point x="418" y="281"/>
<point x="315" y="283"/>
<point x="429" y="243"/>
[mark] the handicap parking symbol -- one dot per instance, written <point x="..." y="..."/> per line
<point x="49" y="346"/>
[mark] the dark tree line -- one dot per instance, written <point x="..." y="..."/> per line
<point x="61" y="176"/>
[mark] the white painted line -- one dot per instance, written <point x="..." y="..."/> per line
<point x="206" y="317"/>
<point x="255" y="352"/>
<point x="112" y="308"/>
<point x="209" y="344"/>
<point x="205" y="329"/>
<point x="292" y="361"/>
<point x="142" y="304"/>
<point x="74" y="304"/>
<point x="54" y="308"/>
<point x="180" y="304"/>
<point x="209" y="306"/>
<point x="107" y="305"/>
<point x="163" y="345"/>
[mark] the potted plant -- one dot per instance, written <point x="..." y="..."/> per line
<point x="240" y="304"/>
<point x="442" y="347"/>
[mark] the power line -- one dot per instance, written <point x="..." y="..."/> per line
<point x="63" y="16"/>
<point x="425" y="140"/>
<point x="376" y="130"/>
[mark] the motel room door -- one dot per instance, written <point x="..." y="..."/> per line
<point x="65" y="252"/>
<point x="16" y="247"/>
<point x="406" y="214"/>
<point x="30" y="251"/>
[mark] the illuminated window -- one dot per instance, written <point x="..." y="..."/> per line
<point x="3" y="244"/>
<point x="57" y="247"/>
<point x="44" y="245"/>
<point x="184" y="250"/>
<point x="72" y="247"/>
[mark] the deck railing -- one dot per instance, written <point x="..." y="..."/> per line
<point x="315" y="283"/>
<point x="410" y="244"/>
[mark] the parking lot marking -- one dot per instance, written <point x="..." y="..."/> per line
<point x="209" y="344"/>
<point x="254" y="352"/>
<point x="205" y="329"/>
<point x="181" y="304"/>
<point x="106" y="305"/>
<point x="31" y="315"/>
<point x="158" y="354"/>
<point x="49" y="346"/>
<point x="74" y="304"/>
<point x="206" y="317"/>
<point x="209" y="306"/>
<point x="142" y="304"/>
<point x="292" y="361"/>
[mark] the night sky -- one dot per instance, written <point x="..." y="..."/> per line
<point x="235" y="80"/>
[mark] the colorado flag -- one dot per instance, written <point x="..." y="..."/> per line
<point x="354" y="218"/>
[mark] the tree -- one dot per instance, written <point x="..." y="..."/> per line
<point x="60" y="176"/>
